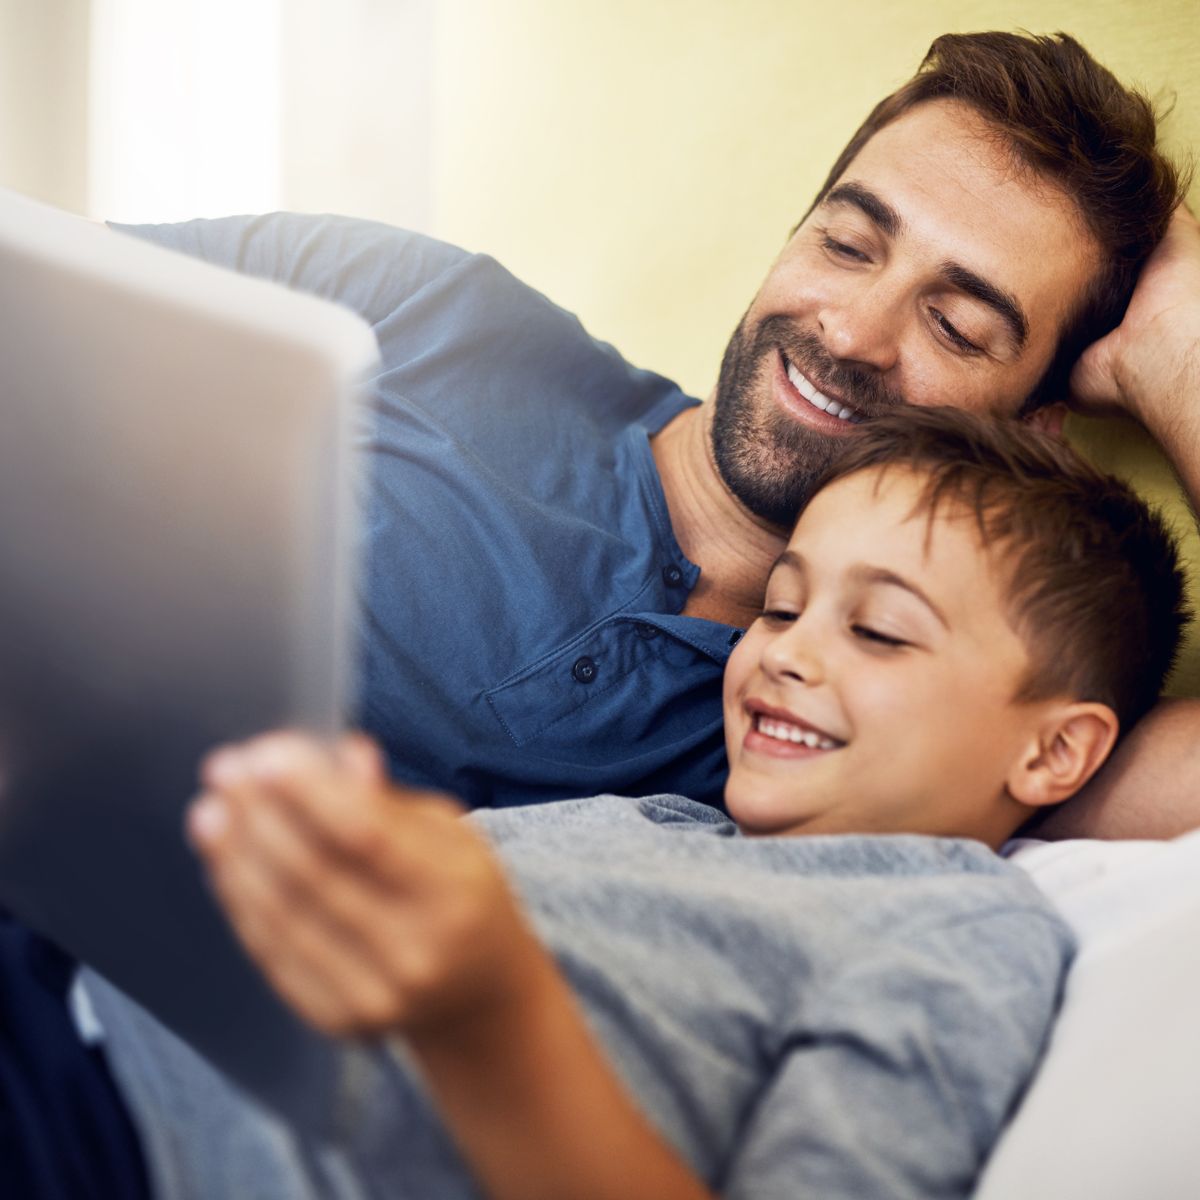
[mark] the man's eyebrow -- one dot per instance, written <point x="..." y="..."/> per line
<point x="876" y="210"/>
<point x="1004" y="303"/>
<point x="888" y="220"/>
<point x="882" y="575"/>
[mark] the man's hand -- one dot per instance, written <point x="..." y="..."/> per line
<point x="1149" y="366"/>
<point x="368" y="907"/>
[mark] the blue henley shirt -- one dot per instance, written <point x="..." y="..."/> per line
<point x="520" y="614"/>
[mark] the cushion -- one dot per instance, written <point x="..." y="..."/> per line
<point x="1112" y="1110"/>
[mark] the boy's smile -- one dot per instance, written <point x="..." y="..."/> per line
<point x="877" y="690"/>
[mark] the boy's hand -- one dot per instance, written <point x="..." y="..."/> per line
<point x="369" y="907"/>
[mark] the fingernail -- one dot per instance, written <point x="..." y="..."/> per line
<point x="208" y="819"/>
<point x="220" y="767"/>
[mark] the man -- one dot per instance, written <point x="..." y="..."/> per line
<point x="605" y="539"/>
<point x="985" y="226"/>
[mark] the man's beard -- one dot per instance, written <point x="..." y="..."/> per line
<point x="768" y="460"/>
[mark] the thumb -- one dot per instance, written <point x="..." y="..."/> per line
<point x="1093" y="385"/>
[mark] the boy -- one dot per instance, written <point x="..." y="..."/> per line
<point x="846" y="1015"/>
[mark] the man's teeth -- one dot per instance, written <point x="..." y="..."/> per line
<point x="843" y="412"/>
<point x="784" y="731"/>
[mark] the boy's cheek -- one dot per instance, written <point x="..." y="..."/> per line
<point x="730" y="704"/>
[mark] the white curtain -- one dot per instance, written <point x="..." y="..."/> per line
<point x="208" y="107"/>
<point x="184" y="108"/>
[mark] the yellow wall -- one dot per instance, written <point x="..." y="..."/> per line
<point x="641" y="161"/>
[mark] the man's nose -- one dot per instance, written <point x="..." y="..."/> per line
<point x="863" y="326"/>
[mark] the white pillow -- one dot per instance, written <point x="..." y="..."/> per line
<point x="1112" y="1113"/>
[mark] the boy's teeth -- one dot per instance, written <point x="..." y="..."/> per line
<point x="783" y="731"/>
<point x="843" y="412"/>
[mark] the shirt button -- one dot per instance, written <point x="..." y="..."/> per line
<point x="584" y="669"/>
<point x="672" y="575"/>
<point x="645" y="630"/>
<point x="735" y="637"/>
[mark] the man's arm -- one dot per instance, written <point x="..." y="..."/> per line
<point x="374" y="911"/>
<point x="368" y="266"/>
<point x="1149" y="368"/>
<point x="1150" y="788"/>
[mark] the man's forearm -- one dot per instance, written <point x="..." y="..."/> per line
<point x="1175" y="424"/>
<point x="1150" y="788"/>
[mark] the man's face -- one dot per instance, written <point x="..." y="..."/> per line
<point x="877" y="690"/>
<point x="936" y="271"/>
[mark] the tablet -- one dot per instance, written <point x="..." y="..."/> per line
<point x="175" y="531"/>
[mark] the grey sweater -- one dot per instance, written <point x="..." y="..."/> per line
<point x="809" y="1016"/>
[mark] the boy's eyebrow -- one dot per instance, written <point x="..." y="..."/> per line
<point x="882" y="575"/>
<point x="866" y="574"/>
<point x="790" y="559"/>
<point x="889" y="221"/>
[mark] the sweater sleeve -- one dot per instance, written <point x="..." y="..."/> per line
<point x="903" y="1076"/>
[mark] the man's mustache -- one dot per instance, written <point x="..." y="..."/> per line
<point x="857" y="386"/>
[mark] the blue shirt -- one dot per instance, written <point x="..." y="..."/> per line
<point x="521" y="631"/>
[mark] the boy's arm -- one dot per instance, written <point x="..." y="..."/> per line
<point x="374" y="911"/>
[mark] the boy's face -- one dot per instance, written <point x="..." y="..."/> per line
<point x="875" y="693"/>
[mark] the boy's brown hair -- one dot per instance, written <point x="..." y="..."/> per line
<point x="1094" y="587"/>
<point x="1071" y="121"/>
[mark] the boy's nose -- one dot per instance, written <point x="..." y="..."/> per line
<point x="795" y="656"/>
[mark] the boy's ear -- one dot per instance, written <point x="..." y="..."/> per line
<point x="1069" y="748"/>
<point x="1048" y="419"/>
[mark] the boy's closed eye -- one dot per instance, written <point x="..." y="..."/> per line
<point x="877" y="637"/>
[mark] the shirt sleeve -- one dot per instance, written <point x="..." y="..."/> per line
<point x="368" y="266"/>
<point x="902" y="1079"/>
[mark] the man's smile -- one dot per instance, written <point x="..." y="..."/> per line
<point x="806" y="401"/>
<point x="834" y="406"/>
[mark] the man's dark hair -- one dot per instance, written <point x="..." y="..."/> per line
<point x="1071" y="121"/>
<point x="1094" y="587"/>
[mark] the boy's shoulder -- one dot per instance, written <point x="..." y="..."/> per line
<point x="884" y="855"/>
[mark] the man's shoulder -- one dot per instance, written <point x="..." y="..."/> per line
<point x="365" y="264"/>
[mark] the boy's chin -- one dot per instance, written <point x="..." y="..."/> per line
<point x="757" y="812"/>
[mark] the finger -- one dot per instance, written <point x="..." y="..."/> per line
<point x="322" y="978"/>
<point x="316" y="783"/>
<point x="207" y="823"/>
<point x="363" y="758"/>
<point x="341" y="799"/>
<point x="286" y="863"/>
<point x="1093" y="385"/>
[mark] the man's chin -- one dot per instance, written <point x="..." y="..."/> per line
<point x="767" y="455"/>
<point x="772" y="473"/>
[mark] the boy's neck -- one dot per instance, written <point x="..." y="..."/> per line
<point x="994" y="830"/>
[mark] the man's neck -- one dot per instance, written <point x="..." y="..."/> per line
<point x="733" y="549"/>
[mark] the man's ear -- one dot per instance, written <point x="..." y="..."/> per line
<point x="1049" y="419"/>
<point x="1067" y="749"/>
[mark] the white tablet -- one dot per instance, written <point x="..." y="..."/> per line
<point x="175" y="571"/>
